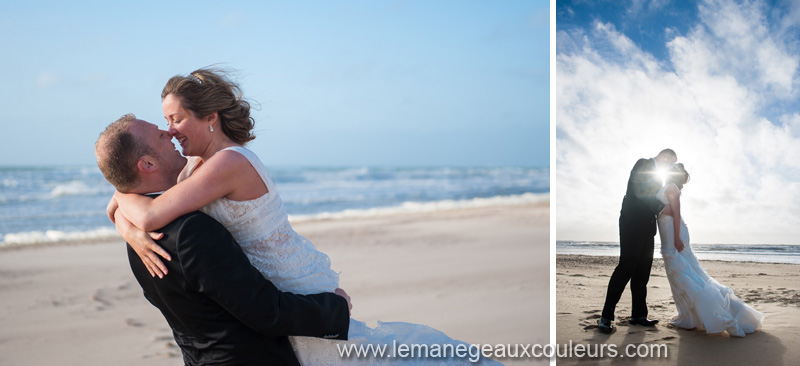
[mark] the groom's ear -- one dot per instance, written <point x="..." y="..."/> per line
<point x="146" y="164"/>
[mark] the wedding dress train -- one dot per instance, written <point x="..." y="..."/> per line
<point x="702" y="302"/>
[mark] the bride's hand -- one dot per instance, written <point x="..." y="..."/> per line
<point x="341" y="293"/>
<point x="679" y="244"/>
<point x="143" y="243"/>
<point x="112" y="208"/>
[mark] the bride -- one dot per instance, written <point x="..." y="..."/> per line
<point x="702" y="302"/>
<point x="207" y="115"/>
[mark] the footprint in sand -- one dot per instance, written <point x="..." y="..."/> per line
<point x="99" y="298"/>
<point x="133" y="323"/>
<point x="163" y="355"/>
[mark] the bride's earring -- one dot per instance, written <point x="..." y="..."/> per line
<point x="211" y="128"/>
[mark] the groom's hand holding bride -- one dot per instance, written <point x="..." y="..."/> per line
<point x="341" y="293"/>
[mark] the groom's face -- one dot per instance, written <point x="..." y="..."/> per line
<point x="168" y="158"/>
<point x="665" y="160"/>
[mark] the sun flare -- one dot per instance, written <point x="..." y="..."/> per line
<point x="661" y="175"/>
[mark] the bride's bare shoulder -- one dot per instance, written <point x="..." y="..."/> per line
<point x="192" y="163"/>
<point x="672" y="190"/>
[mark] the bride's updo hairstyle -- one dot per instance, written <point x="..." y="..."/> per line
<point x="208" y="90"/>
<point x="678" y="175"/>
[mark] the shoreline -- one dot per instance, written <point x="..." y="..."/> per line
<point x="744" y="253"/>
<point x="616" y="257"/>
<point x="475" y="274"/>
<point x="108" y="233"/>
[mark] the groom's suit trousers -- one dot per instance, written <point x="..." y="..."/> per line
<point x="637" y="229"/>
<point x="635" y="262"/>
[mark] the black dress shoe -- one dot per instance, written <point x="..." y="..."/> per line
<point x="604" y="325"/>
<point x="644" y="321"/>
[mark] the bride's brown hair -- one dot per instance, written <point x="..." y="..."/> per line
<point x="678" y="175"/>
<point x="209" y="90"/>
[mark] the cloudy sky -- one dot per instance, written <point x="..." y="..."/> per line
<point x="352" y="82"/>
<point x="716" y="80"/>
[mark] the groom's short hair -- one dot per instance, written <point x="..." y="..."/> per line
<point x="118" y="151"/>
<point x="668" y="152"/>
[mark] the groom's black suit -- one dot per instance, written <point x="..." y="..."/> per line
<point x="637" y="229"/>
<point x="222" y="311"/>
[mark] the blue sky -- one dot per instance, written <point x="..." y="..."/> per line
<point x="716" y="80"/>
<point x="338" y="83"/>
<point x="644" y="22"/>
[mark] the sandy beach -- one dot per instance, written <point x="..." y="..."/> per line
<point x="773" y="289"/>
<point x="477" y="274"/>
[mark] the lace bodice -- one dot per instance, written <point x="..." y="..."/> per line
<point x="261" y="228"/>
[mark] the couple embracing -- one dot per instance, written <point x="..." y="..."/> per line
<point x="211" y="245"/>
<point x="653" y="201"/>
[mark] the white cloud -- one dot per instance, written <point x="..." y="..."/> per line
<point x="742" y="42"/>
<point x="615" y="103"/>
<point x="793" y="123"/>
<point x="791" y="16"/>
<point x="637" y="6"/>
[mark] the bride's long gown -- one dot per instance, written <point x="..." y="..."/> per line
<point x="261" y="227"/>
<point x="702" y="302"/>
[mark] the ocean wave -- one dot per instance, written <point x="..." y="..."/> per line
<point x="73" y="188"/>
<point x="50" y="236"/>
<point x="443" y="205"/>
<point x="10" y="183"/>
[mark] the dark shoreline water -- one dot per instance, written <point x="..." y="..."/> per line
<point x="761" y="253"/>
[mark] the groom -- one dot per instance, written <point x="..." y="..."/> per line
<point x="637" y="229"/>
<point x="222" y="311"/>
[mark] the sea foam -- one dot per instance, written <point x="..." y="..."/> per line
<point x="52" y="236"/>
<point x="443" y="205"/>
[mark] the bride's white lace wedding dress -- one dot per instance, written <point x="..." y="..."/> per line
<point x="702" y="302"/>
<point x="261" y="227"/>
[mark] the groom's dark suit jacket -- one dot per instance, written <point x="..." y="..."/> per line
<point x="222" y="311"/>
<point x="640" y="205"/>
